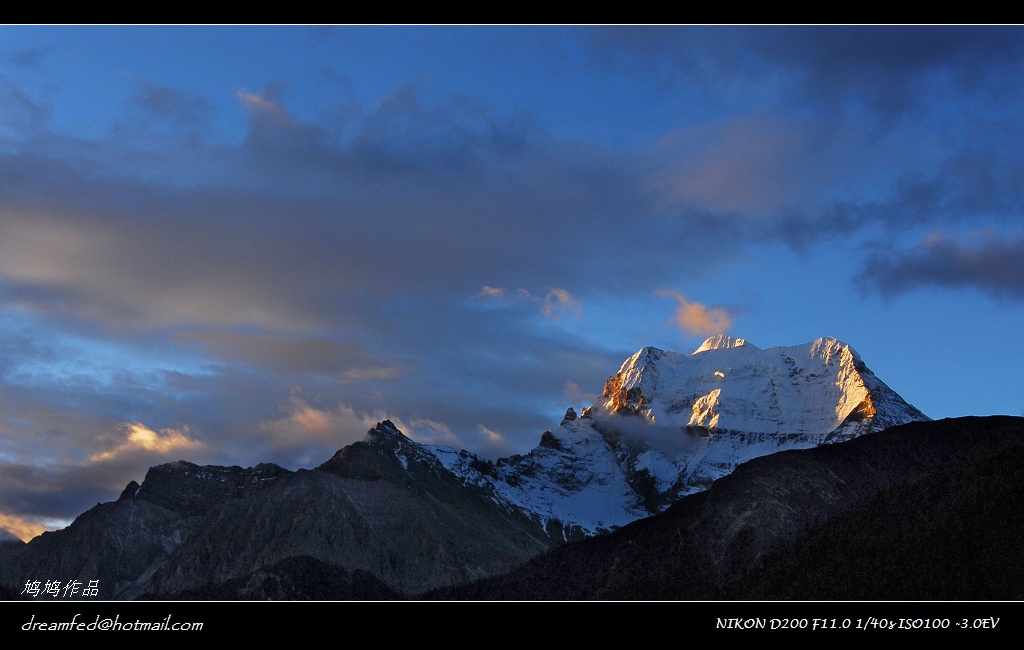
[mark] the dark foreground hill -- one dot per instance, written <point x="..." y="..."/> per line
<point x="927" y="510"/>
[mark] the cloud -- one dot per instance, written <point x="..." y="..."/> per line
<point x="504" y="295"/>
<point x="26" y="527"/>
<point x="993" y="265"/>
<point x="575" y="395"/>
<point x="255" y="102"/>
<point x="556" y="303"/>
<point x="341" y="246"/>
<point x="373" y="372"/>
<point x="491" y="445"/>
<point x="430" y="432"/>
<point x="304" y="224"/>
<point x="877" y="72"/>
<point x="140" y="438"/>
<point x="173" y="105"/>
<point x="265" y="105"/>
<point x="34" y="499"/>
<point x="29" y="58"/>
<point x="695" y="318"/>
<point x="736" y="165"/>
<point x="19" y="114"/>
<point x="559" y="303"/>
<point x="306" y="424"/>
<point x="291" y="354"/>
<point x="492" y="437"/>
<point x="892" y="69"/>
<point x="492" y="292"/>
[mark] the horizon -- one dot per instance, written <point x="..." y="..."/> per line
<point x="235" y="245"/>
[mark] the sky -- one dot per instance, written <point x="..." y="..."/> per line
<point x="233" y="245"/>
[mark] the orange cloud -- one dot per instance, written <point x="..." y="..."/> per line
<point x="491" y="435"/>
<point x="503" y="294"/>
<point x="695" y="318"/>
<point x="139" y="437"/>
<point x="19" y="527"/>
<point x="305" y="423"/>
<point x="262" y="105"/>
<point x="28" y="527"/>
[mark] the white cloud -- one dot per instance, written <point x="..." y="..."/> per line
<point x="559" y="303"/>
<point x="576" y="395"/>
<point x="430" y="432"/>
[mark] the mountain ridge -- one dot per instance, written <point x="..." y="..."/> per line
<point x="669" y="424"/>
<point x="772" y="528"/>
<point x="397" y="517"/>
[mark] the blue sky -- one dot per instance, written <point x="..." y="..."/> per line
<point x="244" y="244"/>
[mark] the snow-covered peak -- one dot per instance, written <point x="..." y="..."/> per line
<point x="729" y="384"/>
<point x="721" y="341"/>
<point x="669" y="423"/>
<point x="826" y="348"/>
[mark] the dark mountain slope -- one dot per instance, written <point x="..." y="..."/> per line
<point x="955" y="536"/>
<point x="295" y="578"/>
<point x="381" y="517"/>
<point x="701" y="547"/>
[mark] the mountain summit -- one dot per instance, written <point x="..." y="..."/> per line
<point x="819" y="388"/>
<point x="390" y="517"/>
<point x="668" y="424"/>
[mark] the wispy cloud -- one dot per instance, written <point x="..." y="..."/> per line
<point x="504" y="295"/>
<point x="990" y="264"/>
<point x="556" y="304"/>
<point x="559" y="303"/>
<point x="176" y="106"/>
<point x="305" y="424"/>
<point x="576" y="395"/>
<point x="493" y="437"/>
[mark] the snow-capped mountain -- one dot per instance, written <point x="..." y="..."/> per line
<point x="668" y="424"/>
<point x="390" y="517"/>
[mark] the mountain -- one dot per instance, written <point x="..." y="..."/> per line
<point x="922" y="511"/>
<point x="380" y="519"/>
<point x="669" y="424"/>
<point x="388" y="517"/>
<point x="7" y="537"/>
